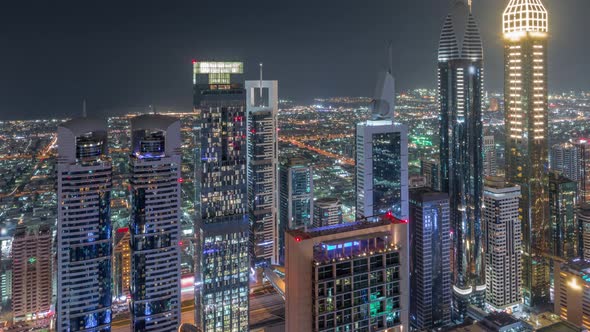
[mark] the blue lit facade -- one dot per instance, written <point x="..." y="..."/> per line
<point x="84" y="243"/>
<point x="154" y="225"/>
<point x="460" y="90"/>
<point x="222" y="226"/>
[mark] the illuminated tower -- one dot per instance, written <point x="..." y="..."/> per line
<point x="460" y="85"/>
<point x="222" y="227"/>
<point x="262" y="108"/>
<point x="525" y="28"/>
<point x="84" y="245"/>
<point x="154" y="225"/>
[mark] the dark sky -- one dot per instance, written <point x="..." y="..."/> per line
<point x="121" y="54"/>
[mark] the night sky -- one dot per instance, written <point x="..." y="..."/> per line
<point x="124" y="55"/>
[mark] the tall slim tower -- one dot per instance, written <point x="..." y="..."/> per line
<point x="262" y="102"/>
<point x="490" y="166"/>
<point x="154" y="225"/>
<point x="503" y="244"/>
<point x="84" y="244"/>
<point x="222" y="228"/>
<point x="460" y="85"/>
<point x="525" y="27"/>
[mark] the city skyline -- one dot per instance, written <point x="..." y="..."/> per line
<point x="119" y="62"/>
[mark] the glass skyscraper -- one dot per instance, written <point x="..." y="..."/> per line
<point x="84" y="243"/>
<point x="154" y="225"/>
<point x="460" y="89"/>
<point x="565" y="230"/>
<point x="222" y="229"/>
<point x="525" y="28"/>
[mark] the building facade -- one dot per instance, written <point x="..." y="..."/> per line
<point x="327" y="211"/>
<point x="565" y="159"/>
<point x="222" y="230"/>
<point x="565" y="231"/>
<point x="525" y="28"/>
<point x="430" y="169"/>
<point x="583" y="215"/>
<point x="296" y="198"/>
<point x="262" y="102"/>
<point x="460" y="93"/>
<point x="503" y="244"/>
<point x="32" y="272"/>
<point x="154" y="225"/>
<point x="84" y="243"/>
<point x="583" y="145"/>
<point x="122" y="264"/>
<point x="357" y="275"/>
<point x="430" y="255"/>
<point x="572" y="292"/>
<point x="490" y="165"/>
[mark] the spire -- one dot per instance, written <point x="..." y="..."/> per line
<point x="390" y="58"/>
<point x="384" y="98"/>
<point x="260" y="80"/>
<point x="84" y="108"/>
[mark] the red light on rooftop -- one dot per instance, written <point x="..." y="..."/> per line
<point x="298" y="239"/>
<point x="194" y="61"/>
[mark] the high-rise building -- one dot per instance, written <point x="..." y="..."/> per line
<point x="525" y="28"/>
<point x="5" y="271"/>
<point x="583" y="146"/>
<point x="262" y="108"/>
<point x="84" y="243"/>
<point x="430" y="169"/>
<point x="565" y="232"/>
<point x="296" y="198"/>
<point x="490" y="166"/>
<point x="154" y="224"/>
<point x="572" y="292"/>
<point x="430" y="255"/>
<point x="31" y="282"/>
<point x="122" y="263"/>
<point x="565" y="159"/>
<point x="583" y="215"/>
<point x="503" y="244"/>
<point x="327" y="211"/>
<point x="222" y="227"/>
<point x="460" y="96"/>
<point x="348" y="277"/>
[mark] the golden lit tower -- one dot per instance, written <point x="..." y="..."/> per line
<point x="525" y="27"/>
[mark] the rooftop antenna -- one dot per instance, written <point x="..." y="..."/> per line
<point x="390" y="59"/>
<point x="469" y="2"/>
<point x="260" y="80"/>
<point x="84" y="108"/>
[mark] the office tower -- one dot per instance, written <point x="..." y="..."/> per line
<point x="327" y="211"/>
<point x="222" y="228"/>
<point x="525" y="31"/>
<point x="154" y="225"/>
<point x="583" y="215"/>
<point x="490" y="167"/>
<point x="583" y="146"/>
<point x="382" y="157"/>
<point x="84" y="245"/>
<point x="122" y="263"/>
<point x="296" y="198"/>
<point x="564" y="239"/>
<point x="5" y="271"/>
<point x="31" y="282"/>
<point x="262" y="102"/>
<point x="572" y="292"/>
<point x="503" y="244"/>
<point x="430" y="255"/>
<point x="430" y="169"/>
<point x="565" y="159"/>
<point x="460" y="93"/>
<point x="348" y="277"/>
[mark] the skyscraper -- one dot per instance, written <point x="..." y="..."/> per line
<point x="565" y="232"/>
<point x="583" y="146"/>
<point x="430" y="169"/>
<point x="222" y="227"/>
<point x="525" y="28"/>
<point x="348" y="277"/>
<point x="154" y="225"/>
<point x="327" y="211"/>
<point x="583" y="215"/>
<point x="296" y="198"/>
<point x="490" y="167"/>
<point x="565" y="159"/>
<point x="382" y="156"/>
<point x="503" y="244"/>
<point x="84" y="245"/>
<point x="572" y="292"/>
<point x="31" y="282"/>
<point x="122" y="263"/>
<point x="430" y="253"/>
<point x="262" y="108"/>
<point x="460" y="85"/>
